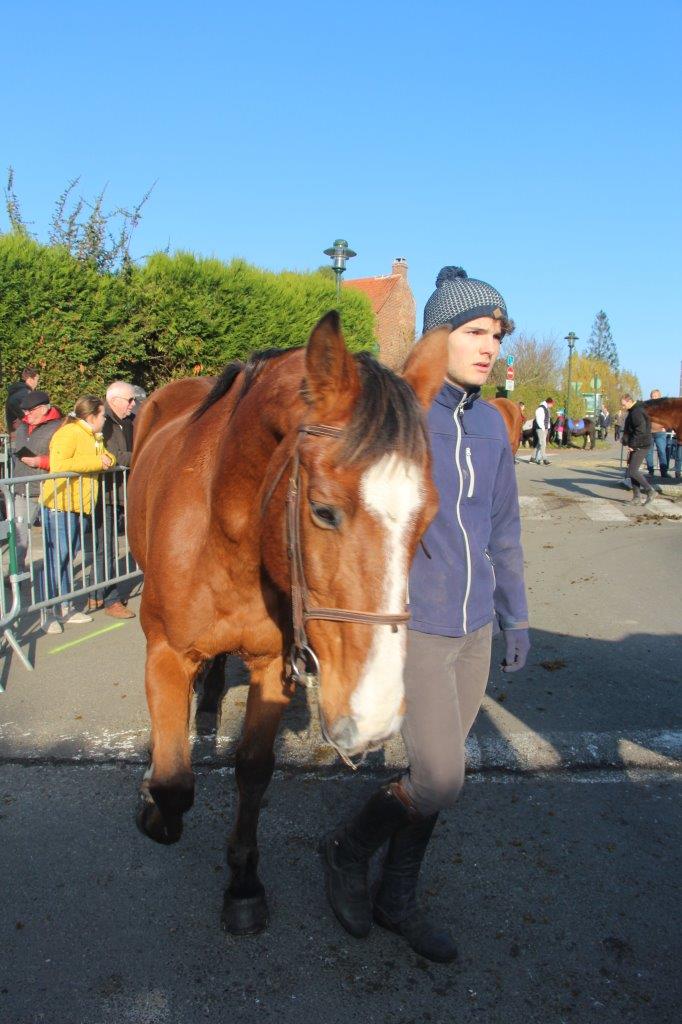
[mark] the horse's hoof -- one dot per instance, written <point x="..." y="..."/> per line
<point x="165" y="830"/>
<point x="244" y="916"/>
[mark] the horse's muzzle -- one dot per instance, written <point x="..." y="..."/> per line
<point x="345" y="737"/>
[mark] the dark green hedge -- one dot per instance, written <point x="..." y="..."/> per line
<point x="173" y="317"/>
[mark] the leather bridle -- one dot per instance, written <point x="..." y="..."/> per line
<point x="304" y="667"/>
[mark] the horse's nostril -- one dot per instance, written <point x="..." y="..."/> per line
<point x="344" y="734"/>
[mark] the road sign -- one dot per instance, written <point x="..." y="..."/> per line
<point x="510" y="373"/>
<point x="509" y="386"/>
<point x="510" y="360"/>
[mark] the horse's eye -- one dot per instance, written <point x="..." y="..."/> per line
<point x="325" y="516"/>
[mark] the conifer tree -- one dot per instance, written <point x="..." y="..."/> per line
<point x="601" y="344"/>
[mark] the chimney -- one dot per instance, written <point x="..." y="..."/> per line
<point x="400" y="267"/>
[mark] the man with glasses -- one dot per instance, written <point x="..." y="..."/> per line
<point x="118" y="439"/>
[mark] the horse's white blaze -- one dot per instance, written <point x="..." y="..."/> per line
<point x="392" y="491"/>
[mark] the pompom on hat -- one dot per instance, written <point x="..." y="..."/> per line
<point x="459" y="298"/>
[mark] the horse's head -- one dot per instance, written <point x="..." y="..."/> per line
<point x="365" y="498"/>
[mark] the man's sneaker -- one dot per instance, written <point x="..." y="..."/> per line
<point x="546" y="462"/>
<point x="650" y="495"/>
<point x="118" y="610"/>
<point x="53" y="625"/>
<point x="76" y="618"/>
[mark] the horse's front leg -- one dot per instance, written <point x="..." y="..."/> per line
<point x="245" y="909"/>
<point x="167" y="790"/>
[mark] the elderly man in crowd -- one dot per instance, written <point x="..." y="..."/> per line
<point x="118" y="439"/>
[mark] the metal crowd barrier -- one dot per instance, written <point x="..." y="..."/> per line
<point x="49" y="560"/>
<point x="4" y="455"/>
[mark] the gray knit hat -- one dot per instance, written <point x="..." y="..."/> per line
<point x="458" y="299"/>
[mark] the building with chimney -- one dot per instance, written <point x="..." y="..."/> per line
<point x="394" y="311"/>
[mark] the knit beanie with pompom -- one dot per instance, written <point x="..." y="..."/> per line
<point x="459" y="298"/>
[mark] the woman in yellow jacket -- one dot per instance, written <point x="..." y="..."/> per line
<point x="77" y="447"/>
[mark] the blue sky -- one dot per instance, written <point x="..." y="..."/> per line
<point x="536" y="145"/>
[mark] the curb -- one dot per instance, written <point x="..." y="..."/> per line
<point x="519" y="752"/>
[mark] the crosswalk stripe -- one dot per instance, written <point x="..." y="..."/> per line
<point x="532" y="508"/>
<point x="602" y="511"/>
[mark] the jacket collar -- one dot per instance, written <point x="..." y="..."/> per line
<point x="451" y="395"/>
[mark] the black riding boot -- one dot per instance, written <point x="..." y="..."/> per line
<point x="346" y="854"/>
<point x="395" y="904"/>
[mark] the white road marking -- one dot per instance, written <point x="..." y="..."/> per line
<point x="532" y="508"/>
<point x="601" y="510"/>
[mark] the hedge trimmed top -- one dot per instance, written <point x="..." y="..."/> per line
<point x="176" y="316"/>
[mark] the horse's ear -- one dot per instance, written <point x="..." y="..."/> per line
<point x="427" y="365"/>
<point x="332" y="381"/>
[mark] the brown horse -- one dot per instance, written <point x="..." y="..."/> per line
<point x="513" y="420"/>
<point x="587" y="431"/>
<point x="667" y="411"/>
<point x="279" y="504"/>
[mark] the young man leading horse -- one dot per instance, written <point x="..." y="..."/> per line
<point x="467" y="573"/>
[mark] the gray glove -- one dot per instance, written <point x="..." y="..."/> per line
<point x="517" y="646"/>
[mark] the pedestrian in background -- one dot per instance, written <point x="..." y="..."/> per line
<point x="117" y="432"/>
<point x="604" y="423"/>
<point x="76" y="447"/>
<point x="30" y="457"/>
<point x="543" y="422"/>
<point x="659" y="443"/>
<point x="637" y="440"/>
<point x="14" y="412"/>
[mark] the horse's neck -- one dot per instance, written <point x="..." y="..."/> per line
<point x="246" y="451"/>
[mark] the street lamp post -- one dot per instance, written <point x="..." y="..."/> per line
<point x="571" y="338"/>
<point x="339" y="254"/>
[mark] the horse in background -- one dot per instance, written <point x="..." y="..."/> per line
<point x="275" y="511"/>
<point x="584" y="428"/>
<point x="667" y="411"/>
<point x="513" y="420"/>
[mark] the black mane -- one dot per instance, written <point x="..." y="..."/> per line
<point x="251" y="370"/>
<point x="387" y="417"/>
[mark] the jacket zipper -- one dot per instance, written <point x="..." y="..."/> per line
<point x="487" y="555"/>
<point x="459" y="516"/>
<point x="472" y="475"/>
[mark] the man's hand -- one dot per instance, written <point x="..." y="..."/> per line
<point x="31" y="460"/>
<point x="517" y="646"/>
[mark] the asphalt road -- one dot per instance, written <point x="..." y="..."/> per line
<point x="559" y="870"/>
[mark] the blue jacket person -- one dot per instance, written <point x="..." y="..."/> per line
<point x="467" y="573"/>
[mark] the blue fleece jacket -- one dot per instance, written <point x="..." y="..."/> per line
<point x="470" y="567"/>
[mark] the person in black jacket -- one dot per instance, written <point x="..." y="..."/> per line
<point x="637" y="439"/>
<point x="118" y="439"/>
<point x="16" y="393"/>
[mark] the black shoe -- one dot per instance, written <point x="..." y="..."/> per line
<point x="395" y="904"/>
<point x="346" y="854"/>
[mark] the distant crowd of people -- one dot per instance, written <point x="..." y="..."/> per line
<point x="77" y="512"/>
